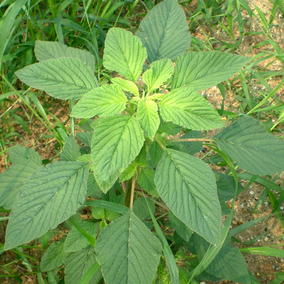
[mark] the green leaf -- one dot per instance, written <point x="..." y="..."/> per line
<point x="186" y="107"/>
<point x="75" y="241"/>
<point x="103" y="101"/>
<point x="126" y="85"/>
<point x="188" y="187"/>
<point x="124" y="53"/>
<point x="182" y="230"/>
<point x="188" y="147"/>
<point x="156" y="152"/>
<point x="104" y="214"/>
<point x="53" y="257"/>
<point x="201" y="70"/>
<point x="127" y="251"/>
<point x="128" y="173"/>
<point x="57" y="191"/>
<point x="26" y="162"/>
<point x="160" y="71"/>
<point x="228" y="264"/>
<point x="146" y="181"/>
<point x="164" y="31"/>
<point x="70" y="151"/>
<point x="45" y="50"/>
<point x="141" y="207"/>
<point x="226" y="190"/>
<point x="18" y="153"/>
<point x="247" y="142"/>
<point x="116" y="142"/>
<point x="148" y="116"/>
<point x="78" y="263"/>
<point x="62" y="78"/>
<point x="85" y="137"/>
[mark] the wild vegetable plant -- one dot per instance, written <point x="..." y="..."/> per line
<point x="142" y="130"/>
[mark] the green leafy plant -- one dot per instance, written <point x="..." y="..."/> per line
<point x="143" y="129"/>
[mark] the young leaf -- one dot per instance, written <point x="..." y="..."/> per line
<point x="62" y="78"/>
<point x="186" y="107"/>
<point x="128" y="173"/>
<point x="45" y="50"/>
<point x="146" y="181"/>
<point x="103" y="101"/>
<point x="136" y="249"/>
<point x="116" y="142"/>
<point x="70" y="151"/>
<point x="77" y="264"/>
<point x="164" y="31"/>
<point x="124" y="53"/>
<point x="75" y="241"/>
<point x="57" y="191"/>
<point x="26" y="162"/>
<point x="147" y="114"/>
<point x="53" y="257"/>
<point x="160" y="71"/>
<point x="126" y="85"/>
<point x="228" y="264"/>
<point x="201" y="70"/>
<point x="254" y="150"/>
<point x="188" y="187"/>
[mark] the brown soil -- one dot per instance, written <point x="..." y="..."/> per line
<point x="262" y="267"/>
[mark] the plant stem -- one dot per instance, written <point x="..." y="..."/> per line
<point x="127" y="193"/>
<point x="190" y="140"/>
<point x="133" y="183"/>
<point x="156" y="202"/>
<point x="71" y="105"/>
<point x="160" y="143"/>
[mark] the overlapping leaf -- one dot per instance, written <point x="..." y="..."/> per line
<point x="164" y="31"/>
<point x="124" y="53"/>
<point x="116" y="142"/>
<point x="188" y="187"/>
<point x="50" y="196"/>
<point x="103" y="101"/>
<point x="70" y="151"/>
<point x="62" y="78"/>
<point x="126" y="85"/>
<point x="201" y="70"/>
<point x="128" y="251"/>
<point x="25" y="162"/>
<point x="186" y="107"/>
<point x="53" y="257"/>
<point x="160" y="71"/>
<point x="45" y="50"/>
<point x="254" y="150"/>
<point x="147" y="114"/>
<point x="228" y="264"/>
<point x="75" y="241"/>
<point x="77" y="264"/>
